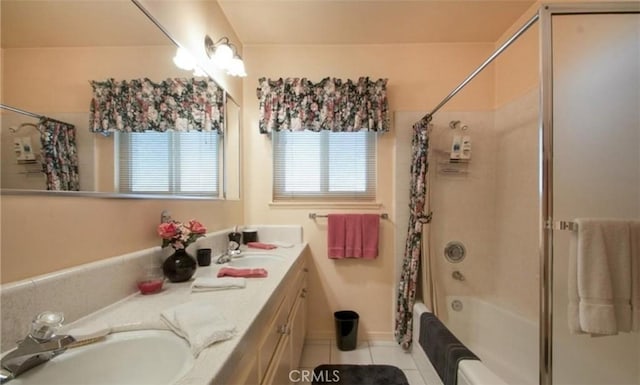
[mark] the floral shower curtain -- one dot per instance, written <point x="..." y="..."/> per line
<point x="296" y="104"/>
<point x="140" y="105"/>
<point x="417" y="217"/>
<point x="59" y="155"/>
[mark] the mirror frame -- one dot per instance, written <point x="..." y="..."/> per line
<point x="112" y="195"/>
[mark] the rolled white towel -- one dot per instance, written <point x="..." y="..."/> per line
<point x="200" y="323"/>
<point x="282" y="244"/>
<point x="214" y="283"/>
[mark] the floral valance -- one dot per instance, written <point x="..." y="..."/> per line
<point x="140" y="105"/>
<point x="295" y="104"/>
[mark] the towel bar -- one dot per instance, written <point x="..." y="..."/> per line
<point x="314" y="216"/>
<point x="565" y="225"/>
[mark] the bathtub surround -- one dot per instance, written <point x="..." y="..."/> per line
<point x="517" y="271"/>
<point x="498" y="228"/>
<point x="492" y="208"/>
<point x="86" y="288"/>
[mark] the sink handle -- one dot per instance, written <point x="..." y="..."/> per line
<point x="45" y="325"/>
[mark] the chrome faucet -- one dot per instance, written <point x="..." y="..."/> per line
<point x="41" y="345"/>
<point x="233" y="250"/>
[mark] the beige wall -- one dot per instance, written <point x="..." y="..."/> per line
<point x="420" y="75"/>
<point x="41" y="234"/>
<point x="517" y="68"/>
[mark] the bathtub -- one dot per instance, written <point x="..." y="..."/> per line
<point x="506" y="343"/>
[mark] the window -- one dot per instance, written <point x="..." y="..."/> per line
<point x="171" y="162"/>
<point x="324" y="165"/>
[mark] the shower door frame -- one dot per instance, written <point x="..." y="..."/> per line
<point x="546" y="12"/>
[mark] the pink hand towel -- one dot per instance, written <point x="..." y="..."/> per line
<point x="353" y="236"/>
<point x="370" y="235"/>
<point x="260" y="245"/>
<point x="336" y="235"/>
<point x="246" y="273"/>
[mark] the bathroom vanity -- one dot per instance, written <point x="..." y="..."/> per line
<point x="269" y="313"/>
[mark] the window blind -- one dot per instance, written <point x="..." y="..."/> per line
<point x="324" y="165"/>
<point x="171" y="162"/>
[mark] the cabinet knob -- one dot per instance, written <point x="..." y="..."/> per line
<point x="305" y="270"/>
<point x="303" y="293"/>
<point x="283" y="329"/>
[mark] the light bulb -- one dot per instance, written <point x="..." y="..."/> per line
<point x="236" y="68"/>
<point x="183" y="59"/>
<point x="223" y="56"/>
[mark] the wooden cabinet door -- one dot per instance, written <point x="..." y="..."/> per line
<point x="298" y="328"/>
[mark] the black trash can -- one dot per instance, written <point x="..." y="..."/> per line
<point x="346" y="329"/>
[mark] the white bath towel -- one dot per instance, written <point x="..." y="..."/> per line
<point x="214" y="283"/>
<point x="200" y="323"/>
<point x="600" y="277"/>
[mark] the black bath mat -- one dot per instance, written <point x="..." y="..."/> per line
<point x="358" y="375"/>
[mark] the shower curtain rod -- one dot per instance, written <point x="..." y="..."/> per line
<point x="31" y="114"/>
<point x="497" y="52"/>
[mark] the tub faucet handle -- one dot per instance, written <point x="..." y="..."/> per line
<point x="457" y="275"/>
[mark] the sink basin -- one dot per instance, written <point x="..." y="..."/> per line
<point x="138" y="357"/>
<point x="256" y="260"/>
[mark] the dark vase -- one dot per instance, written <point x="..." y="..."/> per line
<point x="179" y="267"/>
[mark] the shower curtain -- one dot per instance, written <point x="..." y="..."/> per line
<point x="417" y="217"/>
<point x="59" y="155"/>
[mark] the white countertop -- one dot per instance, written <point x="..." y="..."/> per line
<point x="240" y="306"/>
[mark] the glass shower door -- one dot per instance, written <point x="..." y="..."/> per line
<point x="595" y="171"/>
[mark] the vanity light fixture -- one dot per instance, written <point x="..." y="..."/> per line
<point x="184" y="60"/>
<point x="224" y="54"/>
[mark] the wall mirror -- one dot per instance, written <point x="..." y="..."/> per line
<point x="50" y="52"/>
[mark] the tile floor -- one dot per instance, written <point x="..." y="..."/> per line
<point x="318" y="352"/>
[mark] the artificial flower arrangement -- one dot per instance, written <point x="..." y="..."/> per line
<point x="180" y="235"/>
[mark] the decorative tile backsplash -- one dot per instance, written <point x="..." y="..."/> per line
<point x="84" y="289"/>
